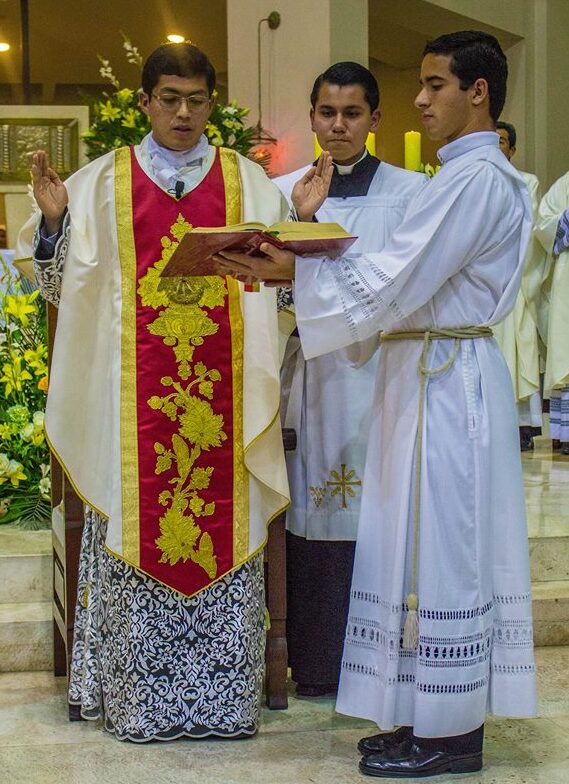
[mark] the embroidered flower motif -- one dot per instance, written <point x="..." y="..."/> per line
<point x="182" y="322"/>
<point x="201" y="426"/>
<point x="179" y="533"/>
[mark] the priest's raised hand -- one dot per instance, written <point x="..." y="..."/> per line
<point x="49" y="191"/>
<point x="310" y="191"/>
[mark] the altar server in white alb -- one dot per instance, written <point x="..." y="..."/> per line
<point x="518" y="335"/>
<point x="440" y="627"/>
<point x="163" y="408"/>
<point x="552" y="231"/>
<point x="327" y="400"/>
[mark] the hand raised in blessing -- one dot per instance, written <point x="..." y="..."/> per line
<point x="310" y="191"/>
<point x="49" y="192"/>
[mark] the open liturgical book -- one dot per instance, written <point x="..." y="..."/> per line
<point x="193" y="256"/>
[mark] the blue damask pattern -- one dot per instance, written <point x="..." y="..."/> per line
<point x="155" y="665"/>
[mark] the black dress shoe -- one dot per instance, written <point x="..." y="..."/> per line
<point x="387" y="742"/>
<point x="564" y="448"/>
<point x="420" y="763"/>
<point x="315" y="689"/>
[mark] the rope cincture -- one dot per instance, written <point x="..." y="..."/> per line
<point x="411" y="627"/>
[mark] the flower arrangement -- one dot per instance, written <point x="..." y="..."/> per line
<point x="24" y="456"/>
<point x="118" y="121"/>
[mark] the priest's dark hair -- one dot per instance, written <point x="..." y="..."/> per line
<point x="346" y="73"/>
<point x="183" y="59"/>
<point x="510" y="130"/>
<point x="475" y="55"/>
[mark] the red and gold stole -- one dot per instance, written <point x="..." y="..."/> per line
<point x="184" y="483"/>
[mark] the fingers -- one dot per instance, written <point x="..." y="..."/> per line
<point x="276" y="265"/>
<point x="274" y="253"/>
<point x="310" y="174"/>
<point x="39" y="162"/>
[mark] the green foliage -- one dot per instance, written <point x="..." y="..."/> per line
<point x="24" y="454"/>
<point x="118" y="121"/>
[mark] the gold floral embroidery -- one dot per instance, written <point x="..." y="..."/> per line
<point x="183" y="324"/>
<point x="343" y="482"/>
<point x="317" y="494"/>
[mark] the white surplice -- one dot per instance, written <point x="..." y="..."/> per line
<point x="327" y="400"/>
<point x="517" y="336"/>
<point x="455" y="260"/>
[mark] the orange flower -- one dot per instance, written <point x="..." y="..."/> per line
<point x="42" y="384"/>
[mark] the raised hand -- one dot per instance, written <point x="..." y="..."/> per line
<point x="310" y="191"/>
<point x="49" y="191"/>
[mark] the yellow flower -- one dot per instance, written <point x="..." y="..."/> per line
<point x="36" y="359"/>
<point x="200" y="425"/>
<point x="42" y="384"/>
<point x="13" y="375"/>
<point x="5" y="432"/>
<point x="109" y="112"/>
<point x="20" y="306"/>
<point x="125" y="94"/>
<point x="129" y="119"/>
<point x="14" y="472"/>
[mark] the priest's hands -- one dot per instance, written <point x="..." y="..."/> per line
<point x="276" y="267"/>
<point x="49" y="192"/>
<point x="310" y="191"/>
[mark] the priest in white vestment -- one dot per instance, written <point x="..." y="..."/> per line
<point x="440" y="626"/>
<point x="518" y="335"/>
<point x="327" y="400"/>
<point x="552" y="231"/>
<point x="163" y="408"/>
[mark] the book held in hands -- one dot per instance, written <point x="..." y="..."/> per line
<point x="193" y="256"/>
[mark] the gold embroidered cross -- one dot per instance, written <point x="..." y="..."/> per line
<point x="343" y="483"/>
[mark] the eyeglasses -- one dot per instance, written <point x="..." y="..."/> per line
<point x="171" y="102"/>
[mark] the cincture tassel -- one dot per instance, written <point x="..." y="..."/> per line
<point x="411" y="628"/>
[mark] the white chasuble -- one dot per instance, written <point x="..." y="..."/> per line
<point x="456" y="260"/>
<point x="91" y="344"/>
<point x="327" y="399"/>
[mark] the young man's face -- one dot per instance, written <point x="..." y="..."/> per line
<point x="341" y="120"/>
<point x="447" y="111"/>
<point x="505" y="143"/>
<point x="177" y="124"/>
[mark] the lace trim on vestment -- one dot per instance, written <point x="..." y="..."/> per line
<point x="49" y="273"/>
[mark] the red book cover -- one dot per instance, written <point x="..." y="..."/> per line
<point x="193" y="256"/>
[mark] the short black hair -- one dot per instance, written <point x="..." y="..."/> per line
<point x="183" y="59"/>
<point x="475" y="55"/>
<point x="346" y="73"/>
<point x="510" y="130"/>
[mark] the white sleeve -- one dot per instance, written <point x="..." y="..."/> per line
<point x="551" y="209"/>
<point x="448" y="224"/>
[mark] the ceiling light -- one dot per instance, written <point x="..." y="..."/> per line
<point x="176" y="39"/>
<point x="4" y="47"/>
